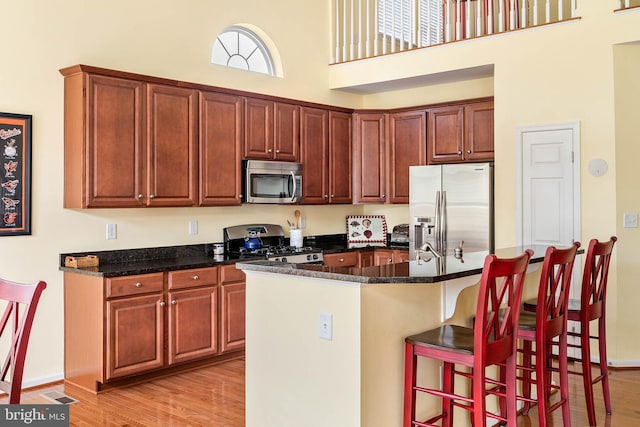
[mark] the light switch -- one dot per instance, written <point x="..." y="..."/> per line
<point x="630" y="220"/>
<point x="325" y="326"/>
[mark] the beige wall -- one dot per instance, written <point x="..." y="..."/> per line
<point x="570" y="72"/>
<point x="554" y="74"/>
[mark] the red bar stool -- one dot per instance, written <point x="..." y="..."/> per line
<point x="19" y="302"/>
<point x="491" y="341"/>
<point x="590" y="307"/>
<point x="547" y="327"/>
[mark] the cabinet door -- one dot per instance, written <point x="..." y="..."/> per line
<point x="314" y="150"/>
<point x="365" y="258"/>
<point x="340" y="158"/>
<point x="407" y="146"/>
<point x="172" y="146"/>
<point x="369" y="173"/>
<point x="115" y="154"/>
<point x="193" y="324"/>
<point x="383" y="257"/>
<point x="220" y="145"/>
<point x="342" y="259"/>
<point x="286" y="132"/>
<point x="478" y="125"/>
<point x="258" y="129"/>
<point x="134" y="335"/>
<point x="232" y="304"/>
<point x="400" y="255"/>
<point x="445" y="136"/>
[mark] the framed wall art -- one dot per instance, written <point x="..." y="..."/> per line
<point x="15" y="155"/>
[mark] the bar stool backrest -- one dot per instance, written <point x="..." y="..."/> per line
<point x="499" y="307"/>
<point x="552" y="305"/>
<point x="595" y="277"/>
<point x="19" y="302"/>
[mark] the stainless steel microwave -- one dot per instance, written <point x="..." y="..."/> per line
<point x="267" y="181"/>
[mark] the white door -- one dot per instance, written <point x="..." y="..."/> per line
<point x="549" y="190"/>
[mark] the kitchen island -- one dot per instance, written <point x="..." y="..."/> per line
<point x="325" y="345"/>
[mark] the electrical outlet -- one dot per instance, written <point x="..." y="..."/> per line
<point x="630" y="220"/>
<point x="193" y="227"/>
<point x="325" y="326"/>
<point x="112" y="231"/>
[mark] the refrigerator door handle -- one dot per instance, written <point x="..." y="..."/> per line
<point x="436" y="237"/>
<point x="443" y="226"/>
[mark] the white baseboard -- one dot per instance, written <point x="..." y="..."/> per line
<point x="34" y="382"/>
<point x="613" y="363"/>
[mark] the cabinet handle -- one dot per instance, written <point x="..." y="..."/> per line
<point x="196" y="277"/>
<point x="138" y="285"/>
<point x="468" y="151"/>
<point x="389" y="261"/>
<point x="162" y="303"/>
<point x="140" y="196"/>
<point x="277" y="151"/>
<point x="384" y="196"/>
<point x="173" y="302"/>
<point x="459" y="152"/>
<point x="269" y="150"/>
<point x="341" y="259"/>
<point x="333" y="195"/>
<point x="239" y="196"/>
<point x="325" y="196"/>
<point x="151" y="196"/>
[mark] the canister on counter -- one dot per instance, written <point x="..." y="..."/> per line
<point x="218" y="249"/>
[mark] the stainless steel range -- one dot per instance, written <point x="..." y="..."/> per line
<point x="266" y="241"/>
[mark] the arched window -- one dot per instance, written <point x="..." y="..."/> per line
<point x="239" y="47"/>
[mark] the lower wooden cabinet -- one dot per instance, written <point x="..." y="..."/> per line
<point x="134" y="334"/>
<point x="123" y="327"/>
<point x="390" y="256"/>
<point x="232" y="305"/>
<point x="366" y="257"/>
<point x="341" y="259"/>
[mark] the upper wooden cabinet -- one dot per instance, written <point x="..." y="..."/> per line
<point x="271" y="130"/>
<point x="325" y="147"/>
<point x="128" y="143"/>
<point x="406" y="147"/>
<point x="460" y="133"/>
<point x="340" y="158"/>
<point x="370" y="158"/>
<point x="172" y="146"/>
<point x="386" y="145"/>
<point x="220" y="145"/>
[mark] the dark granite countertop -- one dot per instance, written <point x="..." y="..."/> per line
<point x="126" y="262"/>
<point x="407" y="272"/>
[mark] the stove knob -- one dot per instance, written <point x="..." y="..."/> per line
<point x="283" y="259"/>
<point x="308" y="257"/>
<point x="315" y="256"/>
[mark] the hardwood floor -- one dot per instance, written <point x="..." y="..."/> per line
<point x="214" y="396"/>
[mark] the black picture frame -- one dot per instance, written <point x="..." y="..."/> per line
<point x="15" y="176"/>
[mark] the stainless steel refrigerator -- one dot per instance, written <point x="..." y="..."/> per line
<point x="450" y="204"/>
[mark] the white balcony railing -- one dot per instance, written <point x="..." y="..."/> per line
<point x="368" y="28"/>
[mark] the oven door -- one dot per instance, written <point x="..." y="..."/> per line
<point x="272" y="182"/>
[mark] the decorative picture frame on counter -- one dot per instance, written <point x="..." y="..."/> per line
<point x="15" y="190"/>
<point x="366" y="231"/>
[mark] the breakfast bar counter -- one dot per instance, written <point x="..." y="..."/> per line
<point x="325" y="345"/>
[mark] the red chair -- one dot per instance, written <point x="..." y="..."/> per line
<point x="491" y="341"/>
<point x="547" y="327"/>
<point x="590" y="307"/>
<point x="21" y="302"/>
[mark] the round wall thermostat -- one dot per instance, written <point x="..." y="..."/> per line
<point x="598" y="167"/>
